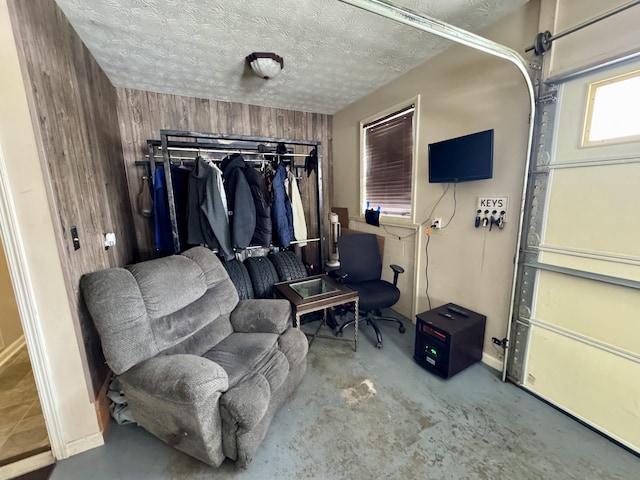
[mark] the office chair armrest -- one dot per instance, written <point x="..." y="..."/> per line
<point x="397" y="270"/>
<point x="338" y="274"/>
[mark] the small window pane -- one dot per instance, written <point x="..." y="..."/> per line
<point x="614" y="110"/>
<point x="388" y="162"/>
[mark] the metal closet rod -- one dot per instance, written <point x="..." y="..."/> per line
<point x="249" y="160"/>
<point x="254" y="162"/>
<point x="219" y="148"/>
<point x="231" y="150"/>
<point x="293" y="242"/>
<point x="240" y="138"/>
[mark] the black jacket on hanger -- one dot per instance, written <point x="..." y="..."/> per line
<point x="262" y="234"/>
<point x="242" y="209"/>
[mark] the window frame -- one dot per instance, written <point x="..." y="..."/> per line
<point x="391" y="219"/>
<point x="588" y="117"/>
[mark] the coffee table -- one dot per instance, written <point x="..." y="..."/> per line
<point x="315" y="293"/>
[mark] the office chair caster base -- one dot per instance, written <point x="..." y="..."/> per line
<point x="379" y="345"/>
<point x="401" y="329"/>
<point x="339" y="333"/>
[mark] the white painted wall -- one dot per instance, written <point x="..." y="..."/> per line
<point x="76" y="417"/>
<point x="462" y="91"/>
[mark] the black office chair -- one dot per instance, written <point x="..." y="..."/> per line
<point x="360" y="269"/>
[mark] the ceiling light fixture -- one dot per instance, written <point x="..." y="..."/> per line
<point x="265" y="64"/>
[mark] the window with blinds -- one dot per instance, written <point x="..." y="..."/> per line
<point x="388" y="162"/>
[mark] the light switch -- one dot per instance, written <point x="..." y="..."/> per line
<point x="74" y="238"/>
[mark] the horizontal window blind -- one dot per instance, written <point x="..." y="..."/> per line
<point x="388" y="162"/>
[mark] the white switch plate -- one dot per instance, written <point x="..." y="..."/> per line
<point x="109" y="239"/>
<point x="492" y="203"/>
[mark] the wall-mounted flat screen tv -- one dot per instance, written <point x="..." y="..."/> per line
<point x="462" y="159"/>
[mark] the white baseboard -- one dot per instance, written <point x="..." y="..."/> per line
<point x="8" y="353"/>
<point x="83" y="444"/>
<point x="492" y="361"/>
<point x="27" y="465"/>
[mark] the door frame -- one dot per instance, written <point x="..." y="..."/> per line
<point x="26" y="300"/>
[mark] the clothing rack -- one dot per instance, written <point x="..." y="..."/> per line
<point x="172" y="147"/>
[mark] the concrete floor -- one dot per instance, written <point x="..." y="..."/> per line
<point x="375" y="414"/>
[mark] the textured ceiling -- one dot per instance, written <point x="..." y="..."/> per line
<point x="333" y="53"/>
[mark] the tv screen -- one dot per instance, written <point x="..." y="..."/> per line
<point x="462" y="159"/>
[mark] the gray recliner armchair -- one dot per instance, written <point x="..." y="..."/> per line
<point x="201" y="370"/>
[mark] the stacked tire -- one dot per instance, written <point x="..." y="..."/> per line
<point x="256" y="277"/>
<point x="240" y="277"/>
<point x="288" y="266"/>
<point x="263" y="276"/>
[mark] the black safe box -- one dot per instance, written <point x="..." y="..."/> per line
<point x="448" y="339"/>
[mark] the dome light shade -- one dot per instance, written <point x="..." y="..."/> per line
<point x="265" y="64"/>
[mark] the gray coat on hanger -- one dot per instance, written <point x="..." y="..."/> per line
<point x="207" y="222"/>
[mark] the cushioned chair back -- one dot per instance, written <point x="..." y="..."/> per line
<point x="360" y="257"/>
<point x="165" y="305"/>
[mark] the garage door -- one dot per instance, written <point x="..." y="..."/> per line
<point x="575" y="335"/>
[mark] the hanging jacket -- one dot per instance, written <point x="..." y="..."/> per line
<point x="281" y="212"/>
<point x="163" y="238"/>
<point x="311" y="162"/>
<point x="180" y="180"/>
<point x="299" y="223"/>
<point x="207" y="221"/>
<point x="262" y="234"/>
<point x="242" y="209"/>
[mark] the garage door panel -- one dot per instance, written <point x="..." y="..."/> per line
<point x="577" y="336"/>
<point x="595" y="209"/>
<point x="592" y="384"/>
<point x="605" y="313"/>
<point x="626" y="268"/>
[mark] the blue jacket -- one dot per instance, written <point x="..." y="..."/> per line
<point x="281" y="213"/>
<point x="163" y="238"/>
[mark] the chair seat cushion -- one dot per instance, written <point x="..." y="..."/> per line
<point x="243" y="353"/>
<point x="375" y="294"/>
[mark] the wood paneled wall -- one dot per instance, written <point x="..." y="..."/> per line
<point x="143" y="114"/>
<point x="90" y="135"/>
<point x="74" y="109"/>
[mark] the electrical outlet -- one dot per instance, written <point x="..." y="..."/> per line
<point x="437" y="222"/>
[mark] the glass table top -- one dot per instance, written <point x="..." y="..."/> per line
<point x="313" y="287"/>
